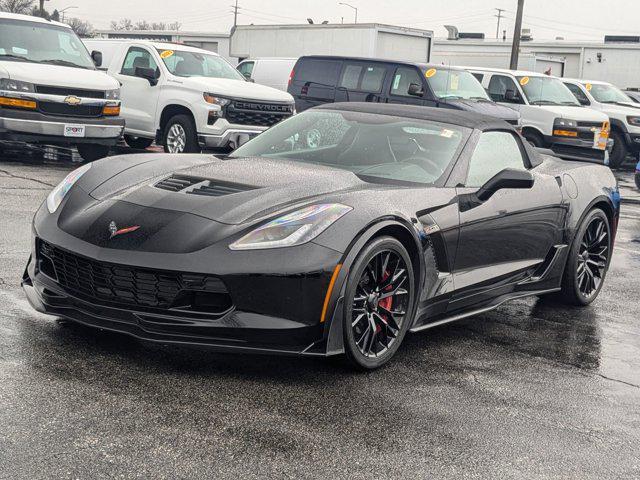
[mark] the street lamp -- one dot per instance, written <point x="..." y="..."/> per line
<point x="350" y="6"/>
<point x="61" y="12"/>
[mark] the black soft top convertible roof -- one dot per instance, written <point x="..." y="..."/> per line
<point x="443" y="115"/>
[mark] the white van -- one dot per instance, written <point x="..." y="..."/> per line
<point x="623" y="112"/>
<point x="186" y="98"/>
<point x="551" y="115"/>
<point x="270" y="71"/>
<point x="50" y="90"/>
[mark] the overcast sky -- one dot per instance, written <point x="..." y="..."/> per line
<point x="572" y="19"/>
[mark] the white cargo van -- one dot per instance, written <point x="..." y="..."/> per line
<point x="270" y="71"/>
<point x="551" y="115"/>
<point x="186" y="98"/>
<point x="50" y="90"/>
<point x="623" y="112"/>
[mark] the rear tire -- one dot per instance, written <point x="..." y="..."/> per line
<point x="638" y="180"/>
<point x="588" y="262"/>
<point x="619" y="152"/>
<point x="90" y="152"/>
<point x="139" y="143"/>
<point x="379" y="303"/>
<point x="180" y="135"/>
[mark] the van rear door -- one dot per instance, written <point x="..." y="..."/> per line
<point x="314" y="81"/>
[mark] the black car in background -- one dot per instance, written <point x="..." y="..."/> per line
<point x="316" y="80"/>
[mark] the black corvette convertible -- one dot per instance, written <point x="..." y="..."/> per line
<point x="334" y="232"/>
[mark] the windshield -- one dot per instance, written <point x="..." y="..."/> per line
<point x="23" y="41"/>
<point x="455" y="84"/>
<point x="607" y="93"/>
<point x="183" y="63"/>
<point x="547" y="91"/>
<point x="378" y="148"/>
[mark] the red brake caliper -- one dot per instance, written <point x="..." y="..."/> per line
<point x="385" y="302"/>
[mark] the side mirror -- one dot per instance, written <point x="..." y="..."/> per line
<point x="96" y="56"/>
<point x="415" y="90"/>
<point x="148" y="74"/>
<point x="507" y="178"/>
<point x="511" y="96"/>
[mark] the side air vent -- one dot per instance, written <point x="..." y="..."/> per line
<point x="200" y="186"/>
<point x="175" y="183"/>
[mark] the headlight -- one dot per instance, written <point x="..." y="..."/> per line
<point x="16" y="86"/>
<point x="57" y="194"/>
<point x="214" y="100"/>
<point x="565" y="123"/>
<point x="112" y="94"/>
<point x="633" y="121"/>
<point x="294" y="228"/>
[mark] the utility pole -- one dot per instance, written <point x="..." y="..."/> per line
<point x="235" y="15"/>
<point x="517" y="30"/>
<point x="498" y="16"/>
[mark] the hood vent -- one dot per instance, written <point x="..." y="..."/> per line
<point x="200" y="186"/>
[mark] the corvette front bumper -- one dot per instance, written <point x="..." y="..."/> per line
<point x="270" y="313"/>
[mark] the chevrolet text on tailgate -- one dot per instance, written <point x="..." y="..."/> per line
<point x="50" y="90"/>
<point x="187" y="98"/>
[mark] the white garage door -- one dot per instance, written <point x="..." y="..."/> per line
<point x="552" y="66"/>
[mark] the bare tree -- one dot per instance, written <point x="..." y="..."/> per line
<point x="127" y="24"/>
<point x="17" y="6"/>
<point x="81" y="27"/>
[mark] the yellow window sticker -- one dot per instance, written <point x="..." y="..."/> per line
<point x="588" y="87"/>
<point x="524" y="81"/>
<point x="166" y="53"/>
<point x="430" y="73"/>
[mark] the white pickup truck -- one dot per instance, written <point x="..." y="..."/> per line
<point x="186" y="98"/>
<point x="51" y="91"/>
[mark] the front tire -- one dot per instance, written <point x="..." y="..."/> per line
<point x="638" y="180"/>
<point x="588" y="261"/>
<point x="180" y="135"/>
<point x="379" y="303"/>
<point x="619" y="152"/>
<point x="139" y="143"/>
<point x="90" y="152"/>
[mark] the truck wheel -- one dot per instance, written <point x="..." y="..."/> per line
<point x="534" y="138"/>
<point x="180" y="135"/>
<point x="138" y="142"/>
<point x="619" y="152"/>
<point x="638" y="180"/>
<point x="90" y="152"/>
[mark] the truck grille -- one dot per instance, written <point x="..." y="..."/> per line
<point x="62" y="109"/>
<point x="123" y="285"/>
<point x="257" y="113"/>
<point x="66" y="91"/>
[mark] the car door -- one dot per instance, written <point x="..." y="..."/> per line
<point x="503" y="89"/>
<point x="246" y="68"/>
<point x="314" y="82"/>
<point x="403" y="77"/>
<point x="503" y="239"/>
<point x="361" y="82"/>
<point x="139" y="96"/>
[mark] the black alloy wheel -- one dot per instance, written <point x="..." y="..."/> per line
<point x="380" y="293"/>
<point x="589" y="260"/>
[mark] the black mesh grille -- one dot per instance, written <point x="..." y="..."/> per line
<point x="259" y="114"/>
<point x="69" y="91"/>
<point x="70" y="110"/>
<point x="108" y="283"/>
<point x="590" y="124"/>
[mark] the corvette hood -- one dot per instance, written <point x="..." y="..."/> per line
<point x="235" y="190"/>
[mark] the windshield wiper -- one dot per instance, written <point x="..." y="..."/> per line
<point x="544" y="102"/>
<point x="569" y="102"/>
<point x="64" y="63"/>
<point x="17" y="57"/>
<point x="480" y="99"/>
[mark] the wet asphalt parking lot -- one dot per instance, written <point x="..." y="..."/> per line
<point x="530" y="390"/>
